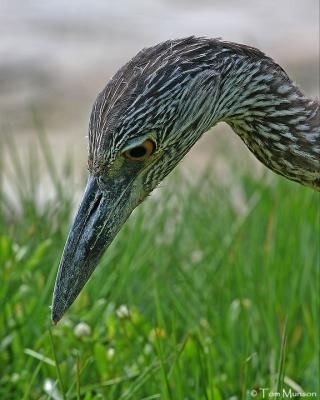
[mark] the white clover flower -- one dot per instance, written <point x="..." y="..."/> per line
<point x="15" y="377"/>
<point x="24" y="289"/>
<point x="110" y="353"/>
<point x="82" y="329"/>
<point x="148" y="348"/>
<point x="196" y="256"/>
<point x="50" y="388"/>
<point x="123" y="312"/>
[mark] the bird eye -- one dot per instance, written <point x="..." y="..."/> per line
<point x="141" y="152"/>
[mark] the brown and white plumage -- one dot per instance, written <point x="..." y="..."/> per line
<point x="152" y="112"/>
<point x="183" y="87"/>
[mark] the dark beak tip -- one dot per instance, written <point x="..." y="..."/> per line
<point x="58" y="308"/>
<point x="55" y="317"/>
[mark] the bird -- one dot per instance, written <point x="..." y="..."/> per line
<point x="150" y="114"/>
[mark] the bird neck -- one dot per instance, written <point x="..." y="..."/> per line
<point x="277" y="122"/>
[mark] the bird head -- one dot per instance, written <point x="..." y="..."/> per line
<point x="142" y="124"/>
<point x="151" y="113"/>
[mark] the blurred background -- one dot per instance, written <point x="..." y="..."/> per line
<point x="55" y="56"/>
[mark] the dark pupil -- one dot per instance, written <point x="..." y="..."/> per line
<point x="138" y="152"/>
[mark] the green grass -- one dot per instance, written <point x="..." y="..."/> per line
<point x="217" y="303"/>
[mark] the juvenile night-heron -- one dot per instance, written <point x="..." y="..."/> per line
<point x="153" y="111"/>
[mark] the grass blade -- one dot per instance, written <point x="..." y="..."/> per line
<point x="57" y="366"/>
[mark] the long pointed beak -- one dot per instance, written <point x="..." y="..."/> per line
<point x="99" y="218"/>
